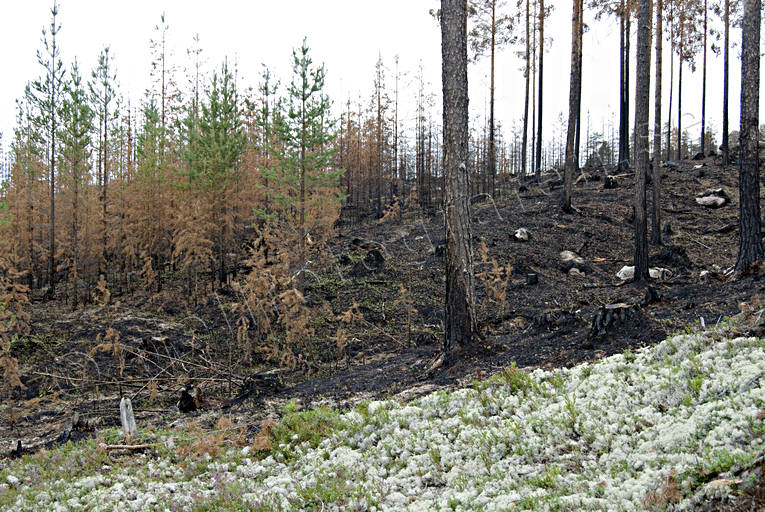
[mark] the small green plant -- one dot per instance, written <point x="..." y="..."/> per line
<point x="573" y="414"/>
<point x="517" y="380"/>
<point x="547" y="479"/>
<point x="695" y="384"/>
<point x="297" y="427"/>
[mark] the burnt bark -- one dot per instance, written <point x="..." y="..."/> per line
<point x="573" y="109"/>
<point x="680" y="92"/>
<point x="527" y="73"/>
<point x="656" y="169"/>
<point x="642" y="90"/>
<point x="671" y="78"/>
<point x="492" y="149"/>
<point x="460" y="290"/>
<point x="704" y="84"/>
<point x="726" y="44"/>
<point x="750" y="235"/>
<point x="538" y="159"/>
<point x="624" y="112"/>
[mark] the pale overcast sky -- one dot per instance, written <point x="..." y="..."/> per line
<point x="347" y="35"/>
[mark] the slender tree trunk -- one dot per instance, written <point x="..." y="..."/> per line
<point x="671" y="88"/>
<point x="642" y="94"/>
<point x="534" y="95"/>
<point x="575" y="85"/>
<point x="379" y="166"/>
<point x="656" y="174"/>
<point x="75" y="253"/>
<point x="704" y="85"/>
<point x="52" y="226"/>
<point x="623" y="63"/>
<point x="105" y="184"/>
<point x="524" y="148"/>
<point x="750" y="233"/>
<point x="302" y="231"/>
<point x="538" y="172"/>
<point x="492" y="149"/>
<point x="628" y="23"/>
<point x="726" y="44"/>
<point x="577" y="142"/>
<point x="460" y="294"/>
<point x="680" y="95"/>
<point x="398" y="176"/>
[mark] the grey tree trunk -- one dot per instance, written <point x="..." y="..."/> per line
<point x="680" y="93"/>
<point x="750" y="234"/>
<point x="671" y="88"/>
<point x="524" y="148"/>
<point x="538" y="162"/>
<point x="492" y="149"/>
<point x="573" y="110"/>
<point x="624" y="110"/>
<point x="656" y="174"/>
<point x="642" y="94"/>
<point x="704" y="85"/>
<point x="460" y="289"/>
<point x="726" y="43"/>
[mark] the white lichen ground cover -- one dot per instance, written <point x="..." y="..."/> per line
<point x="665" y="427"/>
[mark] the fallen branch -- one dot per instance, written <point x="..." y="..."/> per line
<point x="129" y="447"/>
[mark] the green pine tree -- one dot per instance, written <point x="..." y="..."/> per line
<point x="218" y="142"/>
<point x="46" y="95"/>
<point x="304" y="184"/>
<point x="74" y="139"/>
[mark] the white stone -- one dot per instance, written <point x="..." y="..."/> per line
<point x="522" y="234"/>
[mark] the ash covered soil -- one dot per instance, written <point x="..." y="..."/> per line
<point x="76" y="365"/>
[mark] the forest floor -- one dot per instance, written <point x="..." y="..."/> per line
<point x="76" y="365"/>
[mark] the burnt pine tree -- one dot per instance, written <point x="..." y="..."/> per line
<point x="527" y="77"/>
<point x="726" y="47"/>
<point x="47" y="98"/>
<point x="704" y="81"/>
<point x="573" y="107"/>
<point x="491" y="29"/>
<point x="656" y="169"/>
<point x="624" y="86"/>
<point x="460" y="290"/>
<point x="538" y="157"/>
<point x="750" y="234"/>
<point x="642" y="90"/>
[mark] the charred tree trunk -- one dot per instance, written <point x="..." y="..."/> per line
<point x="578" y="145"/>
<point x="492" y="150"/>
<point x="726" y="43"/>
<point x="538" y="163"/>
<point x="750" y="235"/>
<point x="704" y="84"/>
<point x="574" y="89"/>
<point x="671" y="78"/>
<point x="524" y="147"/>
<point x="624" y="88"/>
<point x="656" y="169"/>
<point x="680" y="94"/>
<point x="642" y="93"/>
<point x="460" y="293"/>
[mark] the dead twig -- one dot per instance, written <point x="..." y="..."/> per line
<point x="128" y="447"/>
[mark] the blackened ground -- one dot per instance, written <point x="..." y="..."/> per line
<point x="393" y="272"/>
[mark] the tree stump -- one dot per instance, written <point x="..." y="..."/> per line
<point x="128" y="420"/>
<point x="608" y="316"/>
